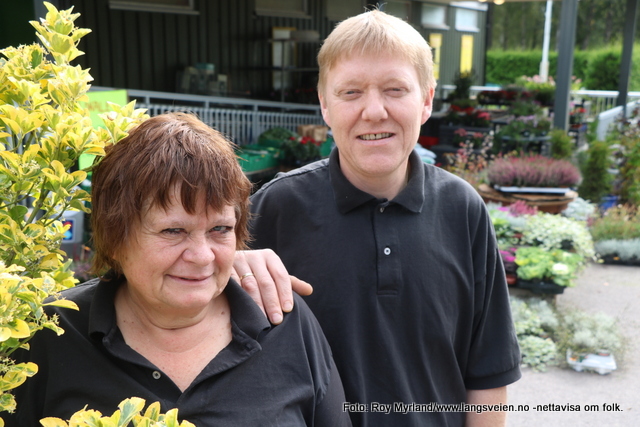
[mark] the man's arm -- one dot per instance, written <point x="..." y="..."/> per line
<point x="490" y="397"/>
<point x="264" y="277"/>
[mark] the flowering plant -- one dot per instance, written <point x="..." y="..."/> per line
<point x="300" y="149"/>
<point x="470" y="162"/>
<point x="533" y="171"/>
<point x="557" y="265"/>
<point x="577" y="116"/>
<point x="468" y="116"/>
<point x="462" y="136"/>
<point x="551" y="232"/>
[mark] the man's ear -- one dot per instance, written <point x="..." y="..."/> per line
<point x="428" y="106"/>
<point x="323" y="108"/>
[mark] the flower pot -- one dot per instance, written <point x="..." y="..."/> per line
<point x="603" y="362"/>
<point x="540" y="287"/>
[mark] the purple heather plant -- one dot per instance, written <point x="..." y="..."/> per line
<point x="533" y="171"/>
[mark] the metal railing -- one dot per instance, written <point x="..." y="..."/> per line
<point x="242" y="120"/>
<point x="597" y="101"/>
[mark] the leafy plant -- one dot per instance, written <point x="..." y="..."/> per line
<point x="620" y="222"/>
<point x="532" y="171"/>
<point x="130" y="411"/>
<point x="580" y="210"/>
<point x="624" y="250"/>
<point x="43" y="132"/>
<point x="583" y="332"/>
<point x="557" y="266"/>
<point x="298" y="150"/>
<point x="470" y="117"/>
<point x="557" y="232"/>
<point x="534" y="322"/>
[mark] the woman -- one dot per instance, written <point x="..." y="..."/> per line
<point x="166" y="323"/>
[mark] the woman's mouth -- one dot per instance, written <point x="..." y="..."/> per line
<point x="375" y="136"/>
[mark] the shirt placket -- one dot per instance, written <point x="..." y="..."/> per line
<point x="387" y="250"/>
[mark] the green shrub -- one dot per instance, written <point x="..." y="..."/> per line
<point x="603" y="72"/>
<point x="620" y="222"/>
<point x="596" y="179"/>
<point x="561" y="144"/>
<point x="598" y="69"/>
<point x="43" y="132"/>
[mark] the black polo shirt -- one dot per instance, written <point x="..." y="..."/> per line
<point x="282" y="375"/>
<point x="410" y="293"/>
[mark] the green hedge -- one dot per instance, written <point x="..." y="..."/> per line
<point x="598" y="69"/>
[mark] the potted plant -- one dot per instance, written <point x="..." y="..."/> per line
<point x="538" y="180"/>
<point x="551" y="232"/>
<point x="598" y="180"/>
<point x="616" y="234"/>
<point x="533" y="171"/>
<point x="545" y="271"/>
<point x="523" y="134"/>
<point x="299" y="150"/>
<point x="590" y="341"/>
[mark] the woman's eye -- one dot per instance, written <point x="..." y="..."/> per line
<point x="222" y="229"/>
<point x="172" y="231"/>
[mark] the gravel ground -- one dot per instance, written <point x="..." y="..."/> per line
<point x="614" y="398"/>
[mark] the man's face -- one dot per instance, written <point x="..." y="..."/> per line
<point x="374" y="106"/>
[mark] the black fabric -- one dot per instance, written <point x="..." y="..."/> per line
<point x="410" y="293"/>
<point x="267" y="376"/>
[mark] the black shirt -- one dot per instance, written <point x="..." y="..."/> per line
<point x="410" y="293"/>
<point x="267" y="376"/>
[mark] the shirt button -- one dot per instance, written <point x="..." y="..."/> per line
<point x="156" y="375"/>
<point x="387" y="251"/>
<point x="382" y="209"/>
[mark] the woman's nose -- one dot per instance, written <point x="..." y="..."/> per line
<point x="199" y="250"/>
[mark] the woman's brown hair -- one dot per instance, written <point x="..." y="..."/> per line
<point x="174" y="150"/>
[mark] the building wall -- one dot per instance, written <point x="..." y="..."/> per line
<point x="146" y="50"/>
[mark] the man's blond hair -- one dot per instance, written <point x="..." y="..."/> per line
<point x="377" y="33"/>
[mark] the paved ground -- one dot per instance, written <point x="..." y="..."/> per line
<point x="614" y="290"/>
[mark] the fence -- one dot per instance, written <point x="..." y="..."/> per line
<point x="598" y="100"/>
<point x="242" y="120"/>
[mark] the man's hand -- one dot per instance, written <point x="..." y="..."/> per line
<point x="264" y="277"/>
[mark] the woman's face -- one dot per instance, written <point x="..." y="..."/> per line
<point x="178" y="262"/>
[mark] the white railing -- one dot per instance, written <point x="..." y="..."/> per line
<point x="242" y="120"/>
<point x="598" y="100"/>
<point x="608" y="118"/>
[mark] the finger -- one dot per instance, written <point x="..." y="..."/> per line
<point x="301" y="287"/>
<point x="249" y="284"/>
<point x="271" y="277"/>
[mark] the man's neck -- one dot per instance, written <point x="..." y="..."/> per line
<point x="381" y="187"/>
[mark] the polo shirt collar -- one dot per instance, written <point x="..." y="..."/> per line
<point x="349" y="197"/>
<point x="244" y="312"/>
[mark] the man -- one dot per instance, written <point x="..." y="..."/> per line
<point x="410" y="288"/>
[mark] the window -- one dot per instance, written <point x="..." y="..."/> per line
<point x="167" y="6"/>
<point x="434" y="16"/>
<point x="287" y="8"/>
<point x="338" y="10"/>
<point x="435" y="41"/>
<point x="467" y="20"/>
<point x="398" y="8"/>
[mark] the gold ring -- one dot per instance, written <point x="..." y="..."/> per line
<point x="246" y="275"/>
